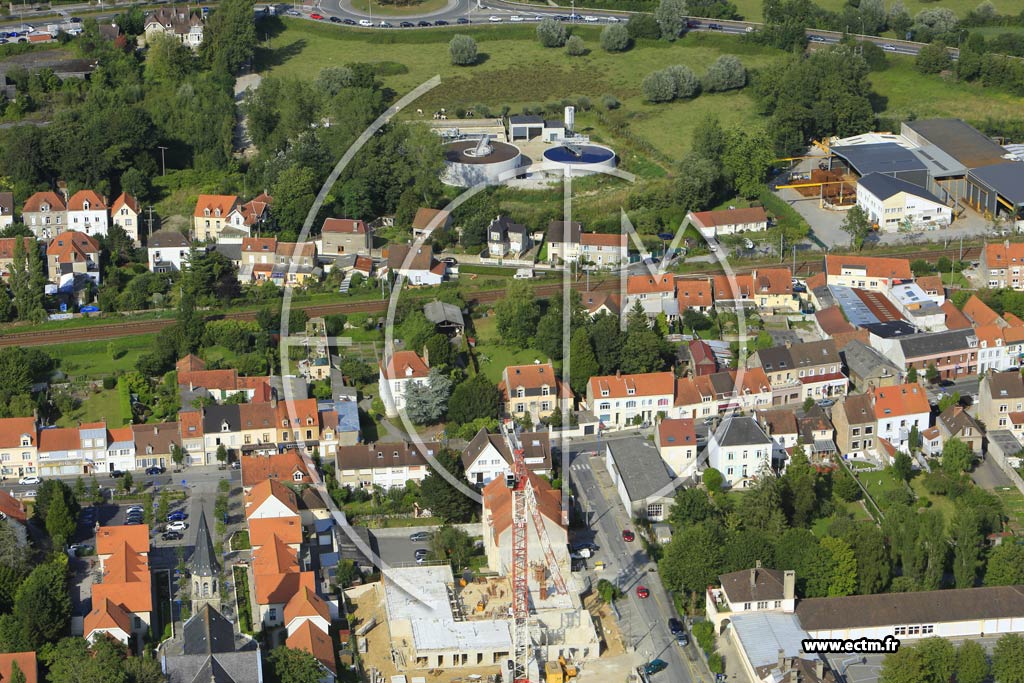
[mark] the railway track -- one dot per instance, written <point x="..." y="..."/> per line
<point x="127" y="328"/>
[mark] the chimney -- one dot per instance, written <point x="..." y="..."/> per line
<point x="753" y="579"/>
<point x="618" y="373"/>
<point x="789" y="584"/>
<point x="782" y="660"/>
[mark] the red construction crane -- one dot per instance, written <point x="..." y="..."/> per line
<point x="524" y="504"/>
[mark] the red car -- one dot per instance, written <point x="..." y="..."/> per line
<point x="642" y="592"/>
<point x="318" y="17"/>
<point x="628" y="536"/>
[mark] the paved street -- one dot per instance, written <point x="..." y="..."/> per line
<point x="644" y="622"/>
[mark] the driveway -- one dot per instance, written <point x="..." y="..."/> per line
<point x="988" y="476"/>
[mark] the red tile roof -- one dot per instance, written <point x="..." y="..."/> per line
<point x="12" y="429"/>
<point x="978" y="312"/>
<point x="347" y="226"/>
<point x="262" y="530"/>
<point x="1002" y="254"/>
<point x="693" y="293"/>
<point x="219" y="205"/>
<point x="36" y="201"/>
<point x="405" y="365"/>
<point x="191" y="424"/>
<point x="73" y="246"/>
<point x="676" y="432"/>
<point x="77" y="201"/>
<point x="125" y="199"/>
<point x="498" y="503"/>
<point x="931" y="284"/>
<point x="424" y="217"/>
<point x="955" y="320"/>
<point x="311" y="639"/>
<point x="778" y="281"/>
<point x="7" y="245"/>
<point x="874" y="266"/>
<point x="902" y="399"/>
<point x="281" y="466"/>
<point x="13" y="509"/>
<point x="59" y="439"/>
<point x="621" y="386"/>
<point x="832" y="321"/>
<point x="650" y="284"/>
<point x="259" y="245"/>
<point x="106" y="615"/>
<point x="306" y="603"/>
<point x="597" y="239"/>
<point x="110" y="539"/>
<point x="736" y="287"/>
<point x="26" y="662"/>
<point x="270" y="488"/>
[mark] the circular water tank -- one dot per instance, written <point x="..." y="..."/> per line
<point x="583" y="160"/>
<point x="464" y="168"/>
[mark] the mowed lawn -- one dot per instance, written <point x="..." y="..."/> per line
<point x="101" y="406"/>
<point x="1013" y="503"/>
<point x="92" y="360"/>
<point x="494" y="357"/>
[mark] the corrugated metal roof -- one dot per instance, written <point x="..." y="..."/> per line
<point x="881" y="157"/>
<point x="763" y="634"/>
<point x="1006" y="178"/>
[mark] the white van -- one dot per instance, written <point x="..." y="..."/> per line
<point x="524" y="274"/>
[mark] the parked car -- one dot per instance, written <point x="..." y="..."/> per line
<point x="421" y="552"/>
<point x="117" y="474"/>
<point x="177" y="526"/>
<point x="133" y="508"/>
<point x="587" y="545"/>
<point x="172" y="536"/>
<point x="29" y="480"/>
<point x="682" y="640"/>
<point x="293" y="13"/>
<point x="826" y="402"/>
<point x="423" y="23"/>
<point x="590" y="19"/>
<point x="675" y="627"/>
<point x="494" y="18"/>
<point x="462" y="20"/>
<point x="348" y="22"/>
<point x="654" y="666"/>
<point x="515" y="18"/>
<point x="715" y="27"/>
<point x="628" y="536"/>
<point x="154" y="470"/>
<point x="407" y="24"/>
<point x="334" y="20"/>
<point x="440" y="22"/>
<point x="386" y="24"/>
<point x="581" y="553"/>
<point x="176" y="516"/>
<point x="132" y="522"/>
<point x="76" y="549"/>
<point x="318" y="17"/>
<point x="75" y="20"/>
<point x="642" y="592"/>
<point x="366" y="23"/>
<point x="419" y="536"/>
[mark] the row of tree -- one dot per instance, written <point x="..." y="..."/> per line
<point x="937" y="660"/>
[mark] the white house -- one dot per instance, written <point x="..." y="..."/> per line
<point x="729" y="221"/>
<point x="387" y="465"/>
<point x="419" y="268"/>
<point x="487" y="456"/>
<point x="167" y="250"/>
<point x="677" y="443"/>
<point x="397" y="373"/>
<point x="270" y="499"/>
<point x="124" y="212"/>
<point x="751" y="590"/>
<point x="505" y="238"/>
<point x="121" y="449"/>
<point x="87" y="212"/>
<point x="623" y="400"/>
<point x="898" y="409"/>
<point x="740" y="450"/>
<point x="892" y="202"/>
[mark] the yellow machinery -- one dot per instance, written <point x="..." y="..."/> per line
<point x="553" y="673"/>
<point x="570" y="669"/>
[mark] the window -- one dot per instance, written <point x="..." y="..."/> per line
<point x="855" y="445"/>
<point x="520" y="392"/>
<point x="297" y="476"/>
<point x="856" y="431"/>
<point x="925" y="630"/>
<point x="544" y="390"/>
<point x="900" y="631"/>
<point x="746" y="605"/>
<point x="655" y="511"/>
<point x="604" y="406"/>
<point x="763" y="604"/>
<point x="869" y="430"/>
<point x="630" y="404"/>
<point x="778" y="604"/>
<point x="272" y="614"/>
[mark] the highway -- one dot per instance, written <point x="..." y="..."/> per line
<point x="643" y="622"/>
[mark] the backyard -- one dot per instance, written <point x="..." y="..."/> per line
<point x="101" y="406"/>
<point x="495" y="357"/>
<point x="95" y="360"/>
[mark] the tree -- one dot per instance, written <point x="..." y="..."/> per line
<point x="177" y="455"/>
<point x="48" y="491"/>
<point x="1008" y="659"/>
<point x="725" y="73"/>
<point x="230" y="36"/>
<point x="912" y="375"/>
<point x="845" y="486"/>
<point x="931" y="373"/>
<point x="575" y="47"/>
<point x="643" y="25"/>
<point x="967" y="539"/>
<point x="41" y="605"/>
<point x="59" y="522"/>
<point x="933" y="58"/>
<point x="971" y="663"/>
<point x="607" y="338"/>
<point x="685" y="82"/>
<point x="463" y="50"/>
<point x="551" y="33"/>
<point x="75" y="660"/>
<point x="426" y="403"/>
<point x="518" y="314"/>
<point x="947" y="401"/>
<point x="143" y="670"/>
<point x="689" y="507"/>
<point x="295" y="666"/>
<point x="930" y="24"/>
<point x="583" y="362"/>
<point x="473" y="399"/>
<point x="874" y="568"/>
<point x="957" y="456"/>
<point x="615" y="38"/>
<point x="903" y="666"/>
<point x="658" y="86"/>
<point x="1005" y="566"/>
<point x="746" y="160"/>
<point x="671" y="17"/>
<point x="842" y="566"/>
<point x="694" y="558"/>
<point x="712" y="480"/>
<point x="438" y="494"/>
<point x="608" y="591"/>
<point x="297" y="187"/>
<point x="899" y="19"/>
<point x="857" y="225"/>
<point x="902" y="466"/>
<point x="17" y="675"/>
<point x="222" y="453"/>
<point x="452" y="545"/>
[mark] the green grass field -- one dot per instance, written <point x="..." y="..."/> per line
<point x="91" y="360"/>
<point x="101" y="406"/>
<point x="376" y="9"/>
<point x="1013" y="502"/>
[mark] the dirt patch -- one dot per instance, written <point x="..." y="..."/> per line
<point x="607" y="627"/>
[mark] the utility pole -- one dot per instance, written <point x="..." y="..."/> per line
<point x="150" y="221"/>
<point x="163" y="162"/>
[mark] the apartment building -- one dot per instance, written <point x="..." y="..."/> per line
<point x="626" y="400"/>
<point x="876" y="274"/>
<point x="532" y="390"/>
<point x="800" y="371"/>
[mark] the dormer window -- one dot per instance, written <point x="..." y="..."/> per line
<point x="297" y="476"/>
<point x="520" y="392"/>
<point x="604" y="392"/>
<point x="309" y="421"/>
<point x="631" y="391"/>
<point x="380" y="455"/>
<point x="26" y="440"/>
<point x="284" y="422"/>
<point x="394" y="454"/>
<point x="224" y="426"/>
<point x="544" y="390"/>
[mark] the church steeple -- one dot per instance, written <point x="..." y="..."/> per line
<point x="204" y="568"/>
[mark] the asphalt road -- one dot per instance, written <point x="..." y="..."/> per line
<point x="644" y="622"/>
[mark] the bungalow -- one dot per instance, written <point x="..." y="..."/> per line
<point x="728" y="221"/>
<point x="417" y="267"/>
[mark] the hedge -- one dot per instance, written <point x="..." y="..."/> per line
<point x="124" y="399"/>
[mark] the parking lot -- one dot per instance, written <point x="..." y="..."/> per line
<point x="395" y="547"/>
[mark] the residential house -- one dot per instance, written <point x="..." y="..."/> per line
<point x="26" y="663"/>
<point x="183" y="24"/>
<point x="740" y="450"/>
<point x="733" y="291"/>
<point x="676" y="440"/>
<point x="122" y="603"/>
<point x="695" y="294"/>
<point x="221" y="427"/>
<point x="933" y="288"/>
<point x="597" y="303"/>
<point x="257" y="426"/>
<point x="397" y="374"/>
<point x="14" y="514"/>
<point x="801" y="371"/>
<point x="955" y="423"/>
<point x="707" y="396"/>
<point x="563" y="241"/>
<point x="728" y="221"/>
<point x="72" y="254"/>
<point x="626" y="400"/>
<point x="339" y="427"/>
<point x="190" y="425"/>
<point x="125" y="213"/>
<point x="295" y="264"/>
<point x="1000" y="265"/>
<point x="497" y="524"/>
<point x="1001" y="400"/>
<point x="993" y="354"/>
<point x="532" y="391"/>
<point x="641" y="477"/>
<point x="317" y="642"/>
<point x="702" y="358"/>
<point x="447" y="318"/>
<point x="818" y="434"/>
<point x="831" y="321"/>
<point x="604" y="250"/>
<point x="286" y="467"/>
<point x="168" y="251"/>
<point x="507" y="239"/>
<point x="211" y="216"/>
<point x="87" y="213"/>
<point x="255" y="214"/>
<point x="345" y="236"/>
<point x="6" y="209"/>
<point x="751" y="590"/>
<point x="275" y="572"/>
<point x="298" y="424"/>
<point x="155" y="443"/>
<point x="258" y="257"/>
<point x="898" y="410"/>
<point x="388" y="465"/>
<point x="869" y="368"/>
<point x="417" y="267"/>
<point x="270" y="499"/>
<point x="655" y="293"/>
<point x="428" y="220"/>
<point x="780" y="424"/>
<point x="954" y="353"/>
<point x="773" y="289"/>
<point x="45" y="214"/>
<point x="893" y="203"/>
<point x="487" y="457"/>
<point x="120" y="449"/>
<point x="7" y="245"/>
<point x="873" y="273"/>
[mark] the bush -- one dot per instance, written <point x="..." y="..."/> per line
<point x="726" y="73"/>
<point x="659" y="87"/>
<point x="584" y="103"/>
<point x="109" y="382"/>
<point x="463" y="50"/>
<point x="614" y="38"/>
<point x="551" y="33"/>
<point x="704" y="633"/>
<point x="671" y="17"/>
<point x="610" y="102"/>
<point x="933" y="58"/>
<point x="643" y="26"/>
<point x="574" y="47"/>
<point x="124" y="400"/>
<point x="686" y="82"/>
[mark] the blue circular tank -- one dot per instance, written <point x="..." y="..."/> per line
<point x="589" y="154"/>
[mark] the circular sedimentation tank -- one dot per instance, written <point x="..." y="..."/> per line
<point x="465" y="167"/>
<point x="586" y="159"/>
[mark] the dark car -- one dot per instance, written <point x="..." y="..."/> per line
<point x="654" y="666"/>
<point x="628" y="536"/>
<point x="348" y="22"/>
<point x="134" y="514"/>
<point x="407" y="24"/>
<point x="675" y="627"/>
<point x="440" y="22"/>
<point x="462" y="20"/>
<point x="75" y="20"/>
<point x="133" y="522"/>
<point x="176" y="516"/>
<point x="419" y="536"/>
<point x="334" y="20"/>
<point x="172" y="536"/>
<point x="386" y="24"/>
<point x="423" y="23"/>
<point x="715" y="27"/>
<point x="154" y="470"/>
<point x="117" y="474"/>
